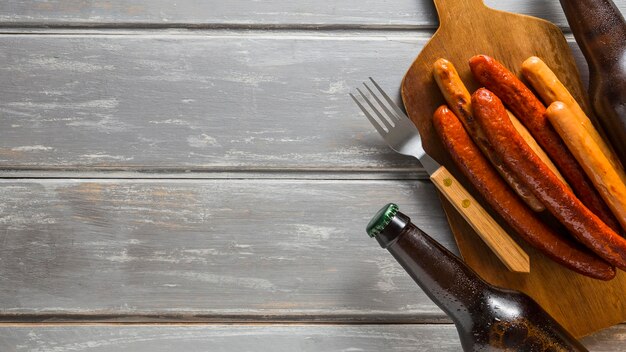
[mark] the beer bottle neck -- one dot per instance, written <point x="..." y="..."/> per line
<point x="442" y="276"/>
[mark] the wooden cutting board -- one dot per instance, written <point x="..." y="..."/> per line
<point x="467" y="27"/>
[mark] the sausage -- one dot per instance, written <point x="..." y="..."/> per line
<point x="523" y="131"/>
<point x="547" y="84"/>
<point x="523" y="104"/>
<point x="501" y="198"/>
<point x="561" y="202"/>
<point x="590" y="156"/>
<point x="458" y="98"/>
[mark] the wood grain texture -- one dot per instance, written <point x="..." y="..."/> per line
<point x="220" y="100"/>
<point x="141" y="103"/>
<point x="495" y="237"/>
<point x="278" y="338"/>
<point x="274" y="12"/>
<point x="511" y="39"/>
<point x="223" y="338"/>
<point x="208" y="250"/>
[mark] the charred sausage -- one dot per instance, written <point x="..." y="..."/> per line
<point x="560" y="201"/>
<point x="458" y="99"/>
<point x="550" y="89"/>
<point x="501" y="198"/>
<point x="525" y="106"/>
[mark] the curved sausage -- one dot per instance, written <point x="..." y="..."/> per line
<point x="526" y="107"/>
<point x="502" y="199"/>
<point x="589" y="154"/>
<point x="458" y="98"/>
<point x="523" y="131"/>
<point x="550" y="89"/>
<point x="560" y="201"/>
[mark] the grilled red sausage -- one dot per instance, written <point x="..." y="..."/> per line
<point x="501" y="198"/>
<point x="557" y="198"/>
<point x="526" y="107"/>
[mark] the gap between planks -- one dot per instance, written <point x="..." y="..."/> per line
<point x="218" y="26"/>
<point x="215" y="26"/>
<point x="65" y="318"/>
<point x="329" y="32"/>
<point x="222" y="32"/>
<point x="216" y="324"/>
<point x="416" y="174"/>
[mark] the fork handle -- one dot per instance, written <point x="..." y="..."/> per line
<point x="507" y="250"/>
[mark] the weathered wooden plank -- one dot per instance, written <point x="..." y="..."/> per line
<point x="217" y="100"/>
<point x="288" y="338"/>
<point x="221" y="338"/>
<point x="210" y="250"/>
<point x="302" y="12"/>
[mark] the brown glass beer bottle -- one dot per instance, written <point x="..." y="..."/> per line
<point x="600" y="32"/>
<point x="487" y="318"/>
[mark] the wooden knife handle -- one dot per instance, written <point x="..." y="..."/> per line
<point x="507" y="250"/>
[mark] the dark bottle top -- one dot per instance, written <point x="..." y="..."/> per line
<point x="600" y="31"/>
<point x="487" y="318"/>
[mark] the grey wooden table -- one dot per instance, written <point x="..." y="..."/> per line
<point x="191" y="176"/>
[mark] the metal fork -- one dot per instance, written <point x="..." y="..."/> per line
<point x="395" y="127"/>
<point x="402" y="136"/>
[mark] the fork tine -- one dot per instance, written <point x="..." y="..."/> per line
<point x="395" y="107"/>
<point x="391" y="116"/>
<point x="381" y="117"/>
<point x="369" y="116"/>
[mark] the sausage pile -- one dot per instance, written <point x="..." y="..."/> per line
<point x="553" y="161"/>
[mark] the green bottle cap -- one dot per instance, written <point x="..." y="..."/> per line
<point x="381" y="219"/>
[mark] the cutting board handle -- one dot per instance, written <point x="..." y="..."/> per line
<point x="448" y="10"/>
